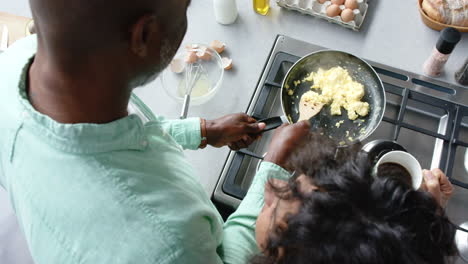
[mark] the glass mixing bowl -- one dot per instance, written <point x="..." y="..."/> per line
<point x="209" y="81"/>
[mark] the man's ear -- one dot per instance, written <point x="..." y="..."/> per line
<point x="143" y="34"/>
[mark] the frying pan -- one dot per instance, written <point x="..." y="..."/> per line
<point x="359" y="70"/>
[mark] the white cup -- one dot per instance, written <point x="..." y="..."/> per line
<point x="408" y="161"/>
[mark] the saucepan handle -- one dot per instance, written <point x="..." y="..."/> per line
<point x="273" y="122"/>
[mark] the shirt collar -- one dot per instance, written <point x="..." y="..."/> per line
<point x="124" y="134"/>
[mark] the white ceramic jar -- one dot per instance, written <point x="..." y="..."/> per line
<point x="225" y="11"/>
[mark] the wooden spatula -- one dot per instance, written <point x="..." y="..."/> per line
<point x="307" y="110"/>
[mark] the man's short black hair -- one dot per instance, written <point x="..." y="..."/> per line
<point x="355" y="219"/>
<point x="87" y="26"/>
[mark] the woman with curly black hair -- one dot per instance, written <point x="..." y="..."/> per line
<point x="333" y="211"/>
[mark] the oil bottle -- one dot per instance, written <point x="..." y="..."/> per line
<point x="261" y="6"/>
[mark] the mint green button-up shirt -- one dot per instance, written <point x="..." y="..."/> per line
<point x="121" y="192"/>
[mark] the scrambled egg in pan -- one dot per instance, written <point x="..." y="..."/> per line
<point x="339" y="90"/>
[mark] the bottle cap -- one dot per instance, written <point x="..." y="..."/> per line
<point x="462" y="75"/>
<point x="448" y="39"/>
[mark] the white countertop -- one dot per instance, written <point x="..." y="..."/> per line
<point x="392" y="34"/>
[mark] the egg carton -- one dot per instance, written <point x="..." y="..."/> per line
<point x="316" y="9"/>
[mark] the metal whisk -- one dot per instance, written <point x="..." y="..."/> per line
<point x="192" y="74"/>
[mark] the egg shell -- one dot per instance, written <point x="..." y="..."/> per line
<point x="337" y="2"/>
<point x="204" y="54"/>
<point x="227" y="63"/>
<point x="333" y="10"/>
<point x="351" y="4"/>
<point x="347" y="15"/>
<point x="218" y="46"/>
<point x="191" y="57"/>
<point x="31" y="28"/>
<point x="177" y="66"/>
<point x="191" y="47"/>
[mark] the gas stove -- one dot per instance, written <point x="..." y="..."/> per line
<point x="427" y="117"/>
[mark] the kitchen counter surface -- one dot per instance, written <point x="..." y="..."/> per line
<point x="392" y="34"/>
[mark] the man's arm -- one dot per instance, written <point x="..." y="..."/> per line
<point x="186" y="133"/>
<point x="236" y="130"/>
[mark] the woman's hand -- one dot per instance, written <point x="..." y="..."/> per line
<point x="236" y="131"/>
<point x="284" y="142"/>
<point x="436" y="183"/>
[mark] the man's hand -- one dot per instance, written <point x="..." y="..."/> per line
<point x="236" y="131"/>
<point x="284" y="142"/>
<point x="437" y="183"/>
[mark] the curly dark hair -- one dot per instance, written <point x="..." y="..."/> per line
<point x="354" y="218"/>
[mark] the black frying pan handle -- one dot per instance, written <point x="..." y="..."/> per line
<point x="272" y="122"/>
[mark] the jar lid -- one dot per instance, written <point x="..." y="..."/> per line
<point x="448" y="39"/>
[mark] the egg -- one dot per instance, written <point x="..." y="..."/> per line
<point x="177" y="66"/>
<point x="339" y="91"/>
<point x="333" y="10"/>
<point x="347" y="15"/>
<point x="191" y="47"/>
<point x="337" y="2"/>
<point x="351" y="4"/>
<point x="204" y="54"/>
<point x="321" y="1"/>
<point x="227" y="63"/>
<point x="191" y="57"/>
<point x="218" y="46"/>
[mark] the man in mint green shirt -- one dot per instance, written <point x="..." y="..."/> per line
<point x="94" y="179"/>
